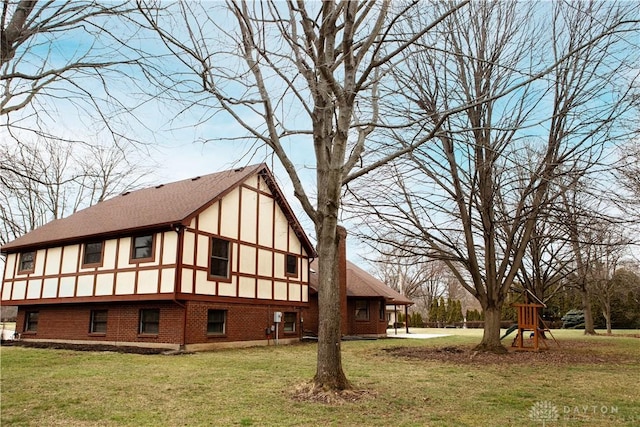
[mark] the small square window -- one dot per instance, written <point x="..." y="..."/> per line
<point x="219" y="261"/>
<point x="292" y="265"/>
<point x="149" y="321"/>
<point x="142" y="247"/>
<point x="92" y="253"/>
<point x="31" y="321"/>
<point x="216" y="322"/>
<point x="362" y="310"/>
<point x="98" y="322"/>
<point x="290" y="322"/>
<point x="27" y="261"/>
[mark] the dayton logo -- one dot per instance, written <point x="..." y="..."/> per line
<point x="543" y="412"/>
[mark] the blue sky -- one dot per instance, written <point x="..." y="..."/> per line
<point x="175" y="143"/>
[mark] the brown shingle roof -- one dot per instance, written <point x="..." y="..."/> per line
<point x="154" y="207"/>
<point x="362" y="284"/>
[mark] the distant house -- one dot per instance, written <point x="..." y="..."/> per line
<point x="195" y="264"/>
<point x="365" y="299"/>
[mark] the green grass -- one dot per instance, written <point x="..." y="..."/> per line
<point x="251" y="387"/>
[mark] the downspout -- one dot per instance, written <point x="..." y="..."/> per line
<point x="179" y="229"/>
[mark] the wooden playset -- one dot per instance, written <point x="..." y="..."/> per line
<point x="529" y="319"/>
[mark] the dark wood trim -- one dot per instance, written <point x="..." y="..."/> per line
<point x="245" y="275"/>
<point x="239" y="237"/>
<point x="216" y="289"/>
<point x="44" y="271"/>
<point x="241" y="300"/>
<point x="177" y="284"/>
<point x="160" y="255"/>
<point x="257" y="228"/>
<point x="76" y="276"/>
<point x="241" y="242"/>
<point x="59" y="271"/>
<point x="94" y="299"/>
<point x="97" y="272"/>
<point x="13" y="266"/>
<point x="116" y="261"/>
<point x="196" y="234"/>
<point x="273" y="246"/>
<point x="166" y="297"/>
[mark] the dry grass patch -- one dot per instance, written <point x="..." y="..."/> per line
<point x="270" y="386"/>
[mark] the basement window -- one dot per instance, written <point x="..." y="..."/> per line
<point x="216" y="322"/>
<point x="31" y="321"/>
<point x="149" y="321"/>
<point x="290" y="322"/>
<point x="98" y="323"/>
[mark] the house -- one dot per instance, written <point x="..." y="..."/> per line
<point x="365" y="299"/>
<point x="196" y="264"/>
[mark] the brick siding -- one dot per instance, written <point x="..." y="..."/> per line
<point x="373" y="326"/>
<point x="244" y="322"/>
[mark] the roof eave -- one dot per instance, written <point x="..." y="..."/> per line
<point x="9" y="248"/>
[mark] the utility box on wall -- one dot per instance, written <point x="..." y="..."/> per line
<point x="277" y="317"/>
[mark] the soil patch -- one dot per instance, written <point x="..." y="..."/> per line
<point x="89" y="347"/>
<point x="308" y="392"/>
<point x="570" y="353"/>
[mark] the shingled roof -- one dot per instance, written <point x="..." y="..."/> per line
<point x="156" y="207"/>
<point x="361" y="284"/>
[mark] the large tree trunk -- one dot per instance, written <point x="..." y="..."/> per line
<point x="329" y="373"/>
<point x="589" y="329"/>
<point x="491" y="336"/>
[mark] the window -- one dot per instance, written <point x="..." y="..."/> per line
<point x="98" y="322"/>
<point x="219" y="263"/>
<point x="27" y="261"/>
<point x="31" y="321"/>
<point x="216" y="320"/>
<point x="383" y="310"/>
<point x="290" y="322"/>
<point x="362" y="309"/>
<point x="142" y="247"/>
<point x="149" y="321"/>
<point x="292" y="265"/>
<point x="92" y="253"/>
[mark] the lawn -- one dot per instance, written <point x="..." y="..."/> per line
<point x="402" y="382"/>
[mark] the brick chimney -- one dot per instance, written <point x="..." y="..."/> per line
<point x="342" y="277"/>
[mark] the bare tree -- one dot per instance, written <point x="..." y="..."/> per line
<point x="47" y="180"/>
<point x="462" y="199"/>
<point x="421" y="281"/>
<point x="597" y="243"/>
<point x="609" y="250"/>
<point x="67" y="56"/>
<point x="295" y="74"/>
